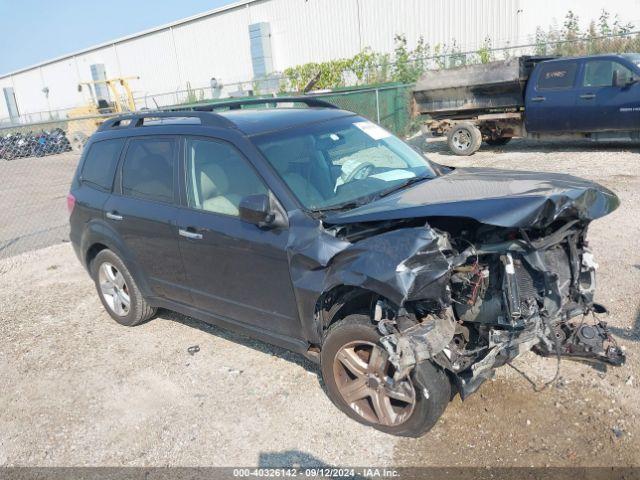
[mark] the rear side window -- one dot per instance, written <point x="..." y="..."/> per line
<point x="147" y="170"/>
<point x="100" y="163"/>
<point x="557" y="76"/>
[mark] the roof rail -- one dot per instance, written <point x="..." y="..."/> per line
<point x="236" y="104"/>
<point x="137" y="119"/>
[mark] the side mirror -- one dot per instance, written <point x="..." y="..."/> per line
<point x="258" y="210"/>
<point x="622" y="81"/>
<point x="255" y="209"/>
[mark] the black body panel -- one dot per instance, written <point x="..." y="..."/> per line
<point x="491" y="196"/>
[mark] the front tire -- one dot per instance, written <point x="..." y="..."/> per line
<point x="358" y="379"/>
<point x="464" y="139"/>
<point x="118" y="291"/>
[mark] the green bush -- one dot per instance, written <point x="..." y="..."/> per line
<point x="406" y="65"/>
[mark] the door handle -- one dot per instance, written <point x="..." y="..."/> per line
<point x="185" y="232"/>
<point x="588" y="96"/>
<point x="538" y="99"/>
<point x="114" y="216"/>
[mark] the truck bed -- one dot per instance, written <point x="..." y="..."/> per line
<point x="474" y="89"/>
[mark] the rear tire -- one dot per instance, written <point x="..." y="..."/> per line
<point x="409" y="408"/>
<point x="118" y="291"/>
<point x="497" y="142"/>
<point x="464" y="139"/>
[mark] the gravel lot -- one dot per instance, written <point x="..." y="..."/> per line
<point x="78" y="389"/>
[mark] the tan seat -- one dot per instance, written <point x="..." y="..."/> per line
<point x="214" y="191"/>
<point x="290" y="159"/>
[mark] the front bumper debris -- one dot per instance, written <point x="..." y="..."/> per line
<point x="591" y="343"/>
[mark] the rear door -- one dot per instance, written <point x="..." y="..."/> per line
<point x="235" y="269"/>
<point x="601" y="105"/>
<point x="92" y="187"/>
<point x="551" y="97"/>
<point x="143" y="210"/>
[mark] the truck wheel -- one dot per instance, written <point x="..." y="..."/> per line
<point x="498" y="142"/>
<point x="464" y="139"/>
<point x="358" y="378"/>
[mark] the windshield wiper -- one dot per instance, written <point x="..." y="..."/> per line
<point x="353" y="204"/>
<point x="402" y="185"/>
<point x="338" y="207"/>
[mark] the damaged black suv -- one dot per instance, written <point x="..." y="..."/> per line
<point x="317" y="230"/>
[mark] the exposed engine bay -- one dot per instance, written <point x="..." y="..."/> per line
<point x="507" y="291"/>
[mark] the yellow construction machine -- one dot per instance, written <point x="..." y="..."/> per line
<point x="121" y="101"/>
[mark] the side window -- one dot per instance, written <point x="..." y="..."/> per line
<point x="218" y="177"/>
<point x="147" y="171"/>
<point x="599" y="73"/>
<point x="556" y="75"/>
<point x="100" y="163"/>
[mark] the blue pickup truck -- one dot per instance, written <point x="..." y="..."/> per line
<point x="595" y="97"/>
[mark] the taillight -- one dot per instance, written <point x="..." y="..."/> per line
<point x="71" y="202"/>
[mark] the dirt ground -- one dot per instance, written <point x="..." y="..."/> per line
<point x="78" y="389"/>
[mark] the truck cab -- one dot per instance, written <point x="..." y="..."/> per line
<point x="598" y="93"/>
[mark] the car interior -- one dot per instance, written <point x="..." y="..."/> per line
<point x="148" y="170"/>
<point x="302" y="167"/>
<point x="219" y="178"/>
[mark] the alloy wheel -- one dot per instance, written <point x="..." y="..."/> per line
<point x="364" y="377"/>
<point x="114" y="289"/>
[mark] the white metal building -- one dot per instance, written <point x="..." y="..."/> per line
<point x="285" y="33"/>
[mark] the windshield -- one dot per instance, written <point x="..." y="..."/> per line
<point x="343" y="162"/>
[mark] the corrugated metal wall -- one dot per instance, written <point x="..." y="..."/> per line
<point x="438" y="21"/>
<point x="302" y="31"/>
<point x="215" y="46"/>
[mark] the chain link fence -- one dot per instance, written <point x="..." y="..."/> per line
<point x="389" y="106"/>
<point x="38" y="160"/>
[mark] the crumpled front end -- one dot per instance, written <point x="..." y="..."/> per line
<point x="468" y="285"/>
<point x="506" y="293"/>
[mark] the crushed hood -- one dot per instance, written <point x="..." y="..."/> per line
<point x="504" y="198"/>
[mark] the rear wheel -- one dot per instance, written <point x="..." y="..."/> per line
<point x="464" y="139"/>
<point x="359" y="380"/>
<point x="118" y="291"/>
<point x="498" y="142"/>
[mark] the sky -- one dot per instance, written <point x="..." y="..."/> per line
<point x="37" y="30"/>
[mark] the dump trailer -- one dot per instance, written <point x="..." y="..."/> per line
<point x="595" y="97"/>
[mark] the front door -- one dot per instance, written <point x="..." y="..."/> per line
<point x="604" y="106"/>
<point x="234" y="269"/>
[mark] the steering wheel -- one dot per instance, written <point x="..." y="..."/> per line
<point x="361" y="171"/>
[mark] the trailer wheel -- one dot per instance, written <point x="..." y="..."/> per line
<point x="498" y="142"/>
<point x="464" y="139"/>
